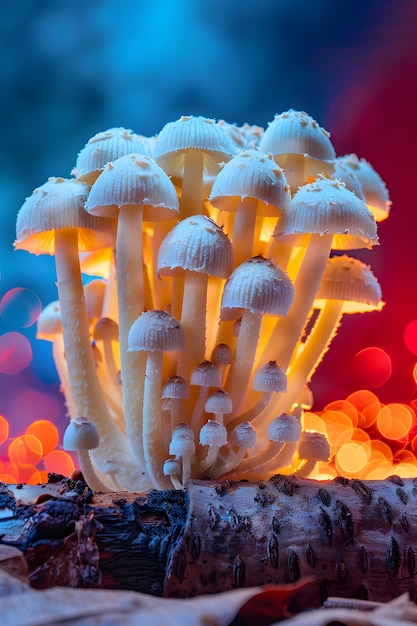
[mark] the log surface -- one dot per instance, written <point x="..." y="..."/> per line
<point x="358" y="539"/>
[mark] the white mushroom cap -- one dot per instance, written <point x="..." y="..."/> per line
<point x="106" y="328"/>
<point x="172" y="467"/>
<point x="182" y="445"/>
<point x="313" y="446"/>
<point x="251" y="174"/>
<point x="243" y="435"/>
<point x="176" y="388"/>
<point x="156" y="330"/>
<point x="258" y="285"/>
<point x="213" y="434"/>
<point x="81" y="434"/>
<point x="295" y="132"/>
<point x="348" y="279"/>
<point x="373" y="187"/>
<point x="222" y="354"/>
<point x="134" y="180"/>
<point x="192" y="133"/>
<point x="105" y="147"/>
<point x="49" y="322"/>
<point x="59" y="204"/>
<point x="206" y="374"/>
<point x="327" y="207"/>
<point x="219" y="402"/>
<point x="285" y="428"/>
<point x="94" y="292"/>
<point x="197" y="244"/>
<point x="270" y="378"/>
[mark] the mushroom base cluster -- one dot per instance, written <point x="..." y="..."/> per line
<point x="217" y="275"/>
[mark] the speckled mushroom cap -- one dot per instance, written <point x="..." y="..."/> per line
<point x="350" y="280"/>
<point x="295" y="132"/>
<point x="192" y="133"/>
<point x="55" y="205"/>
<point x="176" y="387"/>
<point x="206" y="374"/>
<point x="81" y="434"/>
<point x="134" y="180"/>
<point x="323" y="207"/>
<point x="219" y="402"/>
<point x="373" y="187"/>
<point x="213" y="434"/>
<point x="346" y="174"/>
<point x="270" y="378"/>
<point x="243" y="435"/>
<point x="286" y="428"/>
<point x="314" y="446"/>
<point x="197" y="244"/>
<point x="251" y="174"/>
<point x="257" y="285"/>
<point x="107" y="146"/>
<point x="156" y="330"/>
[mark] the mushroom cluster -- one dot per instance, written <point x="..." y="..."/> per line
<point x="220" y="277"/>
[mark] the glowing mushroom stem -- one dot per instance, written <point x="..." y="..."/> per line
<point x="89" y="475"/>
<point x="305" y="468"/>
<point x="193" y="320"/>
<point x="82" y="375"/>
<point x="255" y="412"/>
<point x="244" y="229"/>
<point x="192" y="184"/>
<point x="287" y="331"/>
<point x="316" y="345"/>
<point x="241" y="368"/>
<point x="130" y="290"/>
<point x="58" y="355"/>
<point x="154" y="452"/>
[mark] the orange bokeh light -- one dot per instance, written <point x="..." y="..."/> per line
<point x="46" y="432"/>
<point x="4" y="429"/>
<point x="395" y="420"/>
<point x="59" y="462"/>
<point x="25" y="450"/>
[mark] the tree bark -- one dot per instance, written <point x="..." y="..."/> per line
<point x="357" y="538"/>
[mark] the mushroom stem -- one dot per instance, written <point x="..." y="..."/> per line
<point x="255" y="412"/>
<point x="154" y="452"/>
<point x="256" y="462"/>
<point x="192" y="184"/>
<point x="198" y="410"/>
<point x="110" y="295"/>
<point x="209" y="459"/>
<point x="129" y="268"/>
<point x="241" y="368"/>
<point x="82" y="375"/>
<point x="193" y="320"/>
<point x="316" y="345"/>
<point x="287" y="331"/>
<point x="232" y="462"/>
<point x="58" y="354"/>
<point x="244" y="229"/>
<point x="305" y="468"/>
<point x="89" y="475"/>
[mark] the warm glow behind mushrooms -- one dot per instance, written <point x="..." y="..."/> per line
<point x="179" y="288"/>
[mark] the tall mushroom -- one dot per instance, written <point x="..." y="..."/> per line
<point x="348" y="286"/>
<point x="53" y="220"/>
<point x="152" y="333"/>
<point x="256" y="287"/>
<point x="134" y="189"/>
<point x="249" y="185"/>
<point x="321" y="215"/>
<point x="195" y="248"/>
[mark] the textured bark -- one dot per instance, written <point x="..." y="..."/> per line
<point x="358" y="539"/>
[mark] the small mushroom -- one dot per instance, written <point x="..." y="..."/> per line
<point x="312" y="448"/>
<point x="243" y="437"/>
<point x="195" y="248"/>
<point x="214" y="435"/>
<point x="182" y="446"/>
<point x="175" y="390"/>
<point x="256" y="287"/>
<point x="204" y="376"/>
<point x="152" y="333"/>
<point x="81" y="435"/>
